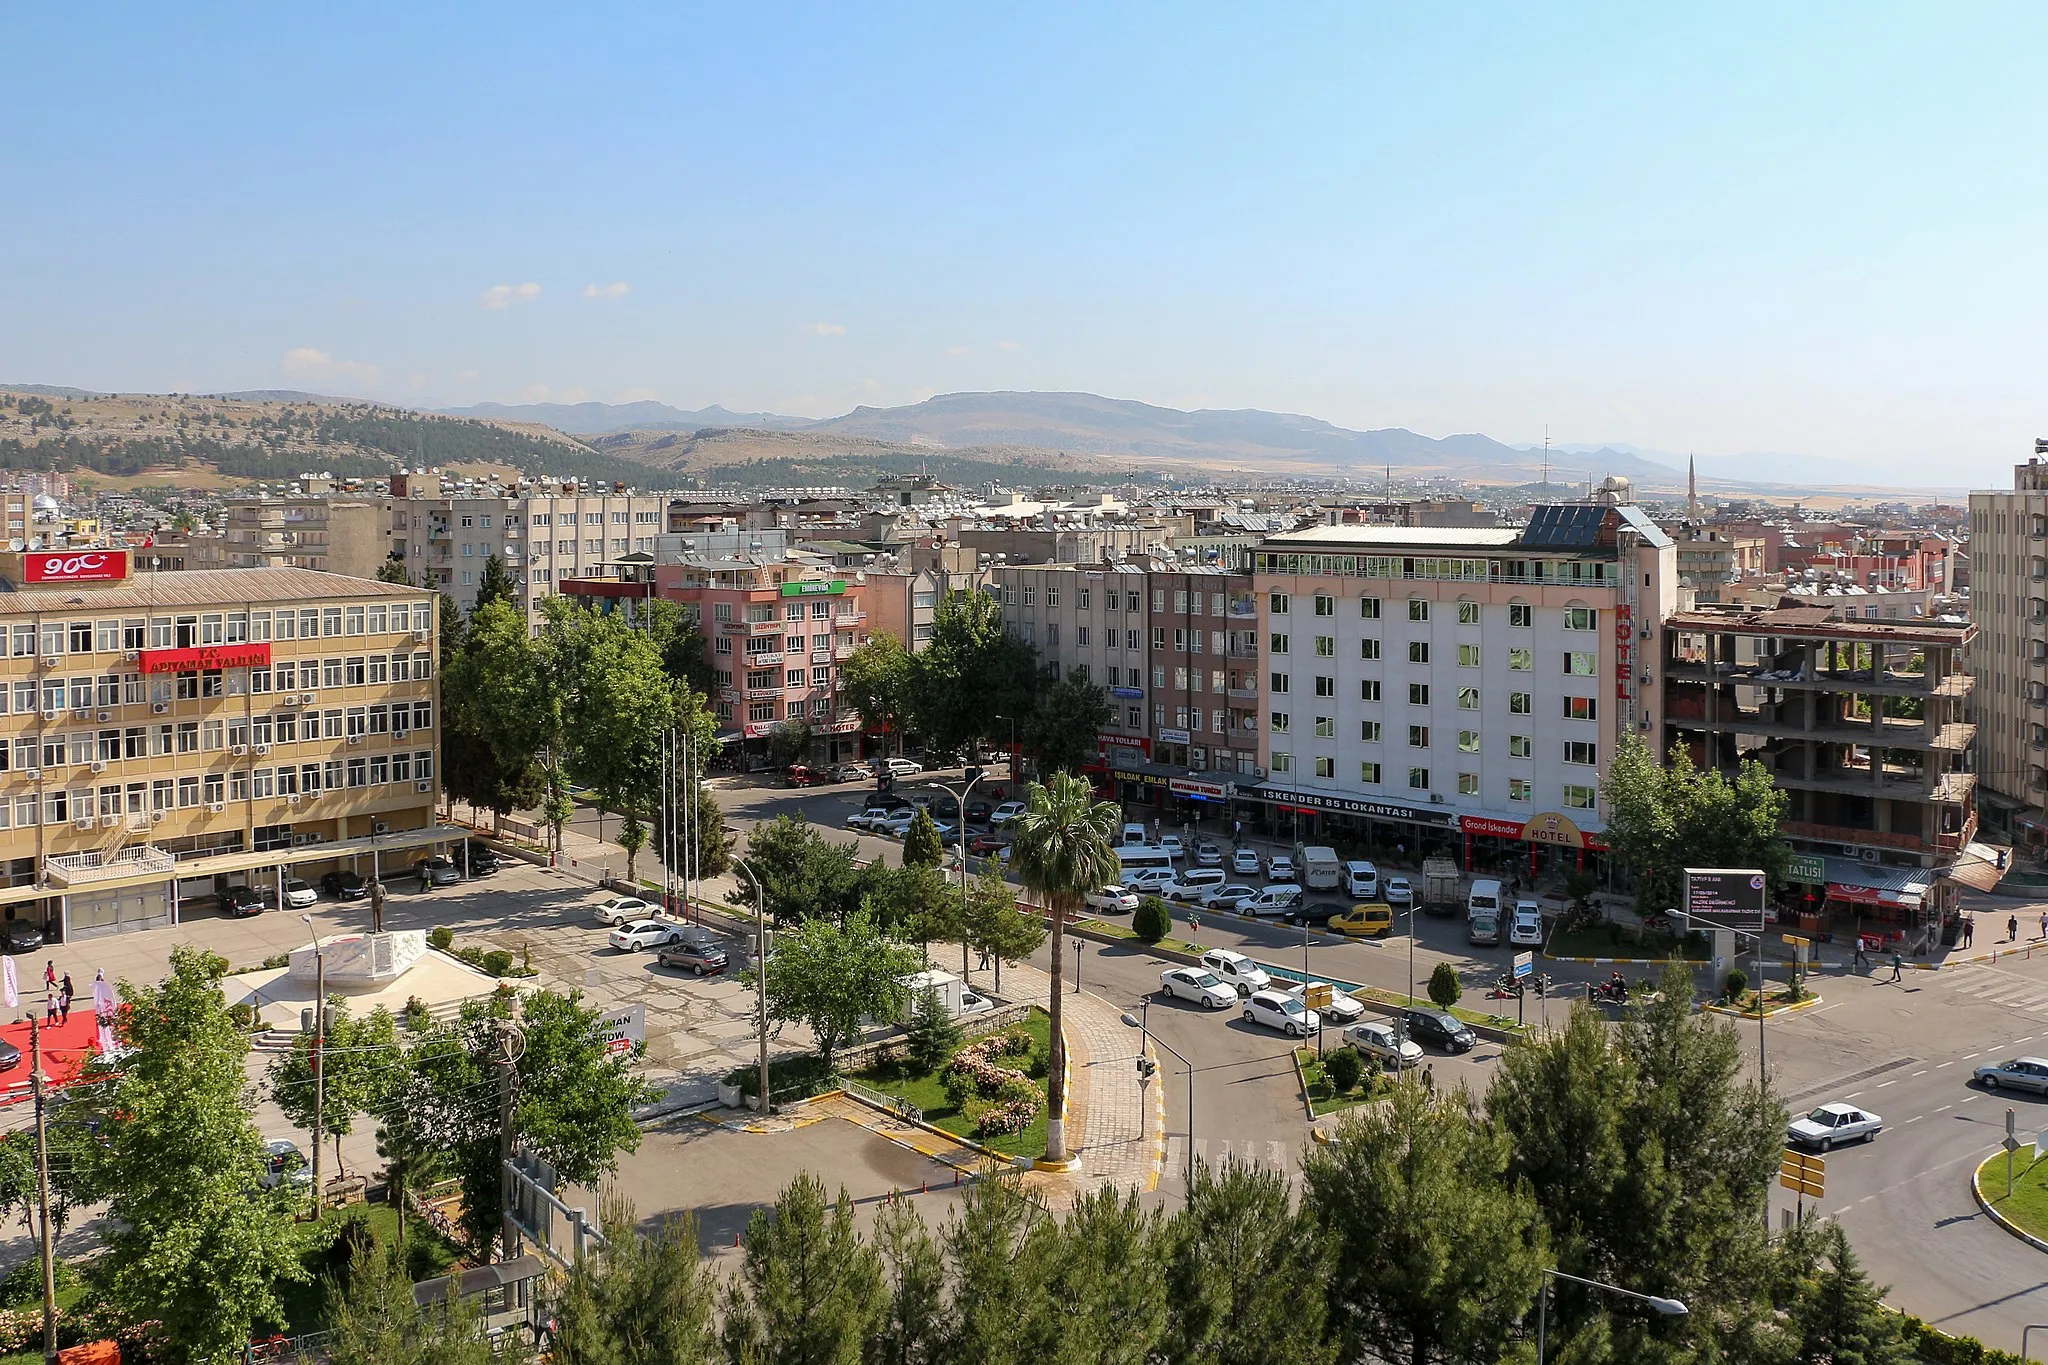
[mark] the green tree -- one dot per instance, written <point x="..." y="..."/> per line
<point x="913" y="1325"/>
<point x="1838" y="1316"/>
<point x="411" y="1162"/>
<point x="494" y="584"/>
<point x="1064" y="847"/>
<point x="374" y="1319"/>
<point x="393" y="571"/>
<point x="932" y="1033"/>
<point x="802" y="874"/>
<point x="632" y="838"/>
<point x="454" y="631"/>
<point x="1151" y="921"/>
<point x="969" y="673"/>
<point x="650" y="1298"/>
<point x="1236" y="1216"/>
<point x="497" y="714"/>
<point x="995" y="1286"/>
<point x="1435" y="1255"/>
<point x="827" y="977"/>
<point x="362" y="1057"/>
<point x="921" y="846"/>
<point x="1444" y="986"/>
<point x="617" y="701"/>
<point x="1663" y="820"/>
<point x="191" y="1243"/>
<point x="914" y="902"/>
<point x="685" y="653"/>
<point x="875" y="680"/>
<point x="1061" y="729"/>
<point x="1103" y="1278"/>
<point x="810" y="1291"/>
<point x="998" y="926"/>
<point x="789" y="743"/>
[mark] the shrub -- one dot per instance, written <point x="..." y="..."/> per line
<point x="1444" y="987"/>
<point x="441" y="938"/>
<point x="242" y="1014"/>
<point x="1151" y="920"/>
<point x="23" y="1285"/>
<point x="277" y="960"/>
<point x="932" y="1033"/>
<point x="497" y="962"/>
<point x="1343" y="1067"/>
<point x="1738" y="982"/>
<point x="472" y="954"/>
<point x="416" y="1016"/>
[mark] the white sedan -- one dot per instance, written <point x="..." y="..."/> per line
<point x="1833" y="1123"/>
<point x="1398" y="891"/>
<point x="625" y="910"/>
<point x="1005" y="813"/>
<point x="632" y="938"/>
<point x="1236" y="970"/>
<point x="1280" y="868"/>
<point x="1245" y="862"/>
<point x="1342" y="1009"/>
<point x="1283" y="1012"/>
<point x="1114" y="900"/>
<point x="1384" y="1042"/>
<point x="1192" y="983"/>
<point x="1169" y="844"/>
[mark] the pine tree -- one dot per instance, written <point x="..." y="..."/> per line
<point x="921" y="846"/>
<point x="932" y="1033"/>
<point x="646" y="1299"/>
<point x="374" y="1319"/>
<point x="1241" y="1216"/>
<point x="493" y="584"/>
<point x="994" y="1287"/>
<point x="810" y="1291"/>
<point x="1840" y="1317"/>
<point x="913" y="1326"/>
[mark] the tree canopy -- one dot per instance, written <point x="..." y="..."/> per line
<point x="1663" y="819"/>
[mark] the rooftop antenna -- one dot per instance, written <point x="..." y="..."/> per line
<point x="1546" y="458"/>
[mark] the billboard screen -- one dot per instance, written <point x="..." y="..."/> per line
<point x="1726" y="897"/>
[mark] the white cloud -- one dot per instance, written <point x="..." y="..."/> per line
<point x="467" y="374"/>
<point x="310" y="362"/>
<point x="827" y="329"/>
<point x="1008" y="345"/>
<point x="618" y="289"/>
<point x="505" y="295"/>
<point x="956" y="350"/>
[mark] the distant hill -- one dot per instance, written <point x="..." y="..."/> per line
<point x="592" y="419"/>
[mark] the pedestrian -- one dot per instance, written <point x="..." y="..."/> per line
<point x="1429" y="1077"/>
<point x="983" y="965"/>
<point x="49" y="975"/>
<point x="2012" y="928"/>
<point x="66" y="993"/>
<point x="1858" y="961"/>
<point x="1969" y="930"/>
<point x="1237" y="831"/>
<point x="1155" y="831"/>
<point x="1898" y="966"/>
<point x="2044" y="924"/>
<point x="50" y="1008"/>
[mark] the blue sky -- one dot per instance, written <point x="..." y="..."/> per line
<point x="1816" y="229"/>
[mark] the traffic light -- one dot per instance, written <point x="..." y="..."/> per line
<point x="1147" y="1068"/>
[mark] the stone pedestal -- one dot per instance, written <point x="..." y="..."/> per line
<point x="361" y="961"/>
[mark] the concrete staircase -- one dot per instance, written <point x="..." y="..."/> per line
<point x="286" y="1036"/>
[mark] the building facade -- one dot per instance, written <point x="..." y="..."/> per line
<point x="343" y="535"/>
<point x="1096" y="617"/>
<point x="2008" y="559"/>
<point x="167" y="735"/>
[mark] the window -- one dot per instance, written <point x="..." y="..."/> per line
<point x="1368" y="732"/>
<point x="1369" y="774"/>
<point x="1468" y="613"/>
<point x="1131" y="640"/>
<point x="1325" y="687"/>
<point x="1277" y="722"/>
<point x="1521" y="746"/>
<point x="1081" y="636"/>
<point x="1418" y="651"/>
<point x="1030" y="597"/>
<point x="1280" y="683"/>
<point x="1085" y="596"/>
<point x="1133" y="603"/>
<point x="1369" y="689"/>
<point x="1368" y="649"/>
<point x="1052" y="596"/>
<point x="1158" y="637"/>
<point x="1418" y="779"/>
<point x="1283" y="763"/>
<point x="1325" y="606"/>
<point x="1521" y="660"/>
<point x="1581" y="708"/>
<point x="1368" y="608"/>
<point x="1277" y="603"/>
<point x="1468" y="784"/>
<point x="1325" y="767"/>
<point x="1520" y="615"/>
<point x="1581" y="664"/>
<point x="1581" y="618"/>
<point x="1468" y="741"/>
<point x="1418" y="736"/>
<point x="1518" y="789"/>
<point x="1326" y="646"/>
<point x="1518" y="703"/>
<point x="1580" y="798"/>
<point x="1326" y="727"/>
<point x="1468" y="699"/>
<point x="1418" y="609"/>
<point x="1578" y="751"/>
<point x="1159" y="599"/>
<point x="1418" y="694"/>
<point x="1468" y="656"/>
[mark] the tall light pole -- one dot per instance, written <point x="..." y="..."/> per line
<point x="319" y="1053"/>
<point x="1142" y="1022"/>
<point x="1670" y="1308"/>
<point x="974" y="775"/>
<point x="760" y="974"/>
<point x="1015" y="776"/>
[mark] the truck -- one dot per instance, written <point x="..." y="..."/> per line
<point x="1441" y="887"/>
<point x="1320" y="869"/>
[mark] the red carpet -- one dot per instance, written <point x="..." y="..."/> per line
<point x="67" y="1047"/>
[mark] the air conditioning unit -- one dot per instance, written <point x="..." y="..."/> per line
<point x="239" y="750"/>
<point x="216" y="806"/>
<point x="420" y="635"/>
<point x="131" y="656"/>
<point x="310" y="696"/>
<point x="1851" y="851"/>
<point x="263" y="748"/>
<point x="106" y="715"/>
<point x="355" y="739"/>
<point x="109" y="821"/>
<point x="99" y="767"/>
<point x="84" y="822"/>
<point x="159" y="707"/>
<point x="34" y="774"/>
<point x="1869" y="855"/>
<point x="423" y="786"/>
<point x="291" y="799"/>
<point x="1436" y="798"/>
<point x="81" y="714"/>
<point x="156" y="817"/>
<point x="379" y="827"/>
<point x="53" y="715"/>
<point x="50" y="661"/>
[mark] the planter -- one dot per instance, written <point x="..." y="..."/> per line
<point x="754" y="1103"/>
<point x="728" y="1095"/>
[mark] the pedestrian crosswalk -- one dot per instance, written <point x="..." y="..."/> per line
<point x="1279" y="1156"/>
<point x="2020" y="994"/>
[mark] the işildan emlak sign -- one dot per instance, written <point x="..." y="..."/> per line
<point x="74" y="566"/>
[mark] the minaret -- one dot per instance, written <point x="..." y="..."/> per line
<point x="1692" y="490"/>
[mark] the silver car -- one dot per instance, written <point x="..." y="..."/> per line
<point x="1383" y="1042"/>
<point x="1833" y="1123"/>
<point x="2021" y="1073"/>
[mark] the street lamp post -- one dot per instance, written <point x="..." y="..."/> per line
<point x="974" y="775"/>
<point x="319" y="1055"/>
<point x="1670" y="1308"/>
<point x="1142" y="1022"/>
<point x="760" y="974"/>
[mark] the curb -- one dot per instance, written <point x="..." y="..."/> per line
<point x="1977" y="1189"/>
<point x="1000" y="1158"/>
<point x="1158" y="1083"/>
<point x="1625" y="961"/>
<point x="1308" y="1105"/>
<point x="1772" y="1013"/>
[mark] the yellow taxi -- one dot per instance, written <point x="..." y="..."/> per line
<point x="1375" y="920"/>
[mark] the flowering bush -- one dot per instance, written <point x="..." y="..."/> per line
<point x="973" y="1076"/>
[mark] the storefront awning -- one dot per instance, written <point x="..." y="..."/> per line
<point x="1981" y="866"/>
<point x="1861" y="883"/>
<point x="1348" y="805"/>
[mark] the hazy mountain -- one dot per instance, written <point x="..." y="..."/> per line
<point x="590" y="419"/>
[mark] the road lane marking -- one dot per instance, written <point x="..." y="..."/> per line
<point x="1882" y="1084"/>
<point x="1852" y="1094"/>
<point x="1944" y="1064"/>
<point x="1921" y="1072"/>
<point x="1915" y="1119"/>
<point x="1968" y="1055"/>
<point x="1944" y="1109"/>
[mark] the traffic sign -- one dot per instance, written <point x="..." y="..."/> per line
<point x="1525" y="963"/>
<point x="1319" y="995"/>
<point x="1795" y="941"/>
<point x="1803" y="1174"/>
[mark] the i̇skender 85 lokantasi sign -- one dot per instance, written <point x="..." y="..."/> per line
<point x="74" y="566"/>
<point x="1726" y="897"/>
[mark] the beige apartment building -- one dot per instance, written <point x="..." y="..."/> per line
<point x="344" y="535"/>
<point x="2009" y="655"/>
<point x="164" y="736"/>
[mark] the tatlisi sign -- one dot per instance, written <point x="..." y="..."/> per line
<point x="74" y="566"/>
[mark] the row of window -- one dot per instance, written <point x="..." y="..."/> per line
<point x="1572" y="796"/>
<point x="1582" y="663"/>
<point x="28" y="696"/>
<point x="1519" y="703"/>
<point x="1519" y="746"/>
<point x="760" y="712"/>
<point x="195" y="736"/>
<point x="260" y="784"/>
<point x="1521" y="615"/>
<point x="569" y="519"/>
<point x="46" y="638"/>
<point x="1442" y="567"/>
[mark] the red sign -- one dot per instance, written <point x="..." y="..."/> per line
<point x="1624" y="650"/>
<point x="1482" y="824"/>
<point x="74" y="566"/>
<point x="205" y="657"/>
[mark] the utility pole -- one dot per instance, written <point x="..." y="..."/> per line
<point x="509" y="1048"/>
<point x="35" y="1052"/>
<point x="319" y="1057"/>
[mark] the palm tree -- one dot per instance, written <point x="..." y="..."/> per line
<point x="1064" y="847"/>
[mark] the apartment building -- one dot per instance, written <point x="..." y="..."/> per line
<point x="2008" y="573"/>
<point x="344" y="535"/>
<point x="165" y="735"/>
<point x="1861" y="722"/>
<point x="1457" y="687"/>
<point x="1095" y="617"/>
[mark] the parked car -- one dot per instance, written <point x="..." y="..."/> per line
<point x="978" y="812"/>
<point x="241" y="902"/>
<point x="1134" y="833"/>
<point x="1005" y="813"/>
<point x="21" y="936"/>
<point x="970" y="1003"/>
<point x="284" y="1164"/>
<point x="478" y="860"/>
<point x="344" y="885"/>
<point x="646" y="933"/>
<point x="1365" y="921"/>
<point x="1280" y="868"/>
<point x="1194" y="883"/>
<point x="1208" y="854"/>
<point x="1245" y="862"/>
<point x="1236" y="970"/>
<point x="1193" y="984"/>
<point x="1169" y="844"/>
<point x="1833" y="1123"/>
<point x="981" y="845"/>
<point x="626" y="910"/>
<point x="1314" y="912"/>
<point x="1398" y="891"/>
<point x="894" y="824"/>
<point x="803" y="775"/>
<point x="1342" y="1009"/>
<point x="10" y="1055"/>
<point x="1276" y="1010"/>
<point x="437" y="871"/>
<point x="1440" y="1030"/>
<point x="699" y="959"/>
<point x="1379" y="1039"/>
<point x="298" y="894"/>
<point x="1111" y="900"/>
<point x="2021" y="1073"/>
<point x="1361" y="880"/>
<point x="1229" y="896"/>
<point x="1526" y="929"/>
<point x="849" y="772"/>
<point x="903" y="767"/>
<point x="1279" y="900"/>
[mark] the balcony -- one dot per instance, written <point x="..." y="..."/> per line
<point x="79" y="869"/>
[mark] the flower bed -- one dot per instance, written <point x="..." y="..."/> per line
<point x="998" y="1099"/>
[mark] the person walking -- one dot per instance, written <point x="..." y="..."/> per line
<point x="1969" y="930"/>
<point x="1898" y="966"/>
<point x="1859" y="962"/>
<point x="2044" y="924"/>
<point x="64" y="1000"/>
<point x="49" y="975"/>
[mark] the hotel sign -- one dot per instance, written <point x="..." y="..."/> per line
<point x="205" y="658"/>
<point x="74" y="566"/>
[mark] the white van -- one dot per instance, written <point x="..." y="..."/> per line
<point x="1195" y="883"/>
<point x="1134" y="833"/>
<point x="1362" y="880"/>
<point x="1320" y="870"/>
<point x="1278" y="899"/>
<point x="1484" y="899"/>
<point x="1148" y="881"/>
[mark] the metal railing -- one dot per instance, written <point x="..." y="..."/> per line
<point x="895" y="1104"/>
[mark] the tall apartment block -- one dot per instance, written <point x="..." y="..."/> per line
<point x="1451" y="687"/>
<point x="166" y="735"/>
<point x="333" y="534"/>
<point x="2009" y="606"/>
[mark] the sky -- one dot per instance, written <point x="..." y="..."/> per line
<point x="1814" y="229"/>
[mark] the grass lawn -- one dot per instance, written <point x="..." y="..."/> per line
<point x="2027" y="1205"/>
<point x="1323" y="1099"/>
<point x="1110" y="929"/>
<point x="1422" y="1001"/>
<point x="1614" y="941"/>
<point x="305" y="1304"/>
<point x="929" y="1095"/>
<point x="1777" y="997"/>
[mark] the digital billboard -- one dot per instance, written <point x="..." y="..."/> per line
<point x="1726" y="897"/>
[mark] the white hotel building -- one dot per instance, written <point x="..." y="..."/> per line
<point x="1458" y="688"/>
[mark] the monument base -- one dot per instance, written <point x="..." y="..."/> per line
<point x="356" y="961"/>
